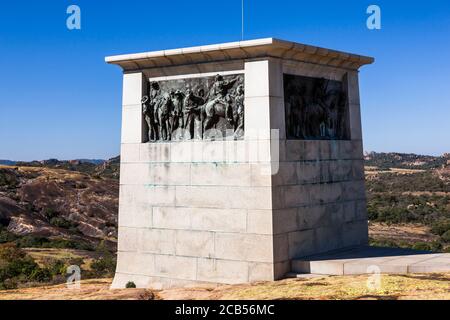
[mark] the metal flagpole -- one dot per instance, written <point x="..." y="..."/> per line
<point x="242" y="31"/>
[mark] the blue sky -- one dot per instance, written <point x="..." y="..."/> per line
<point x="59" y="99"/>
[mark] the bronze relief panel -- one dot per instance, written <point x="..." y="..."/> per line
<point x="195" y="108"/>
<point x="316" y="108"/>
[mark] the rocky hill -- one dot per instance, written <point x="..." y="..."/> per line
<point x="101" y="168"/>
<point x="405" y="161"/>
<point x="72" y="203"/>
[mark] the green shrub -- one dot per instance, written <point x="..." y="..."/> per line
<point x="8" y="284"/>
<point x="385" y="243"/>
<point x="57" y="268"/>
<point x="6" y="236"/>
<point x="68" y="244"/>
<point x="105" y="265"/>
<point x="76" y="261"/>
<point x="31" y="242"/>
<point x="41" y="275"/>
<point x="440" y="227"/>
<point x="446" y="236"/>
<point x="18" y="267"/>
<point x="423" y="246"/>
<point x="8" y="179"/>
<point x="50" y="213"/>
<point x="130" y="285"/>
<point x="427" y="246"/>
<point x="10" y="252"/>
<point x="61" y="223"/>
<point x="42" y="242"/>
<point x="15" y="264"/>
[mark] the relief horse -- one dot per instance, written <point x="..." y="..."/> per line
<point x="214" y="110"/>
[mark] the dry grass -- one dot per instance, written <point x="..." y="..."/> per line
<point x="401" y="232"/>
<point x="431" y="286"/>
<point x="97" y="289"/>
<point x="42" y="255"/>
<point x="372" y="171"/>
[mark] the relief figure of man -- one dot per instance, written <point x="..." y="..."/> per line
<point x="193" y="113"/>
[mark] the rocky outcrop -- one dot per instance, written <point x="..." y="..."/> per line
<point x="60" y="203"/>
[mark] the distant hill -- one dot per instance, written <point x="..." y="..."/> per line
<point x="93" y="161"/>
<point x="405" y="161"/>
<point x="7" y="162"/>
<point x="97" y="167"/>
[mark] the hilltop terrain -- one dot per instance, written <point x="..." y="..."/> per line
<point x="405" y="161"/>
<point x="409" y="200"/>
<point x="393" y="287"/>
<point x="53" y="203"/>
<point x="54" y="214"/>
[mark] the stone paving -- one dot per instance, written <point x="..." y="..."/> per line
<point x="365" y="260"/>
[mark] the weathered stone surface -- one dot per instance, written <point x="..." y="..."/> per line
<point x="355" y="233"/>
<point x="244" y="247"/>
<point x="133" y="89"/>
<point x="157" y="241"/>
<point x="128" y="239"/>
<point x="259" y="221"/>
<point x="131" y="124"/>
<point x="177" y="267"/>
<point x="222" y="271"/>
<point x="195" y="243"/>
<point x="328" y="238"/>
<point x="284" y="220"/>
<point x="155" y="152"/>
<point x="171" y="218"/>
<point x="130" y="152"/>
<point x="135" y="215"/>
<point x="225" y="220"/>
<point x="281" y="247"/>
<point x="309" y="171"/>
<point x="220" y="174"/>
<point x="260" y="272"/>
<point x="286" y="175"/>
<point x="373" y="260"/>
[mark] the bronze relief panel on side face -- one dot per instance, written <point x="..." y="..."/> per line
<point x="316" y="108"/>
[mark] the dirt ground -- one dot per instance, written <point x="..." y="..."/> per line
<point x="403" y="232"/>
<point x="392" y="287"/>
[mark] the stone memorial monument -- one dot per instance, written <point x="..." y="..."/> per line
<point x="237" y="159"/>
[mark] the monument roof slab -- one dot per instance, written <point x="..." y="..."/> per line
<point x="249" y="49"/>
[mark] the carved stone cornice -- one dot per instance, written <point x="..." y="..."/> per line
<point x="240" y="50"/>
